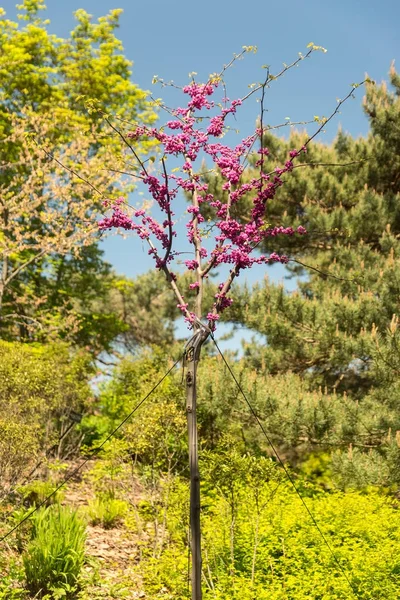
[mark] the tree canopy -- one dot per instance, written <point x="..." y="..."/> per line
<point x="55" y="159"/>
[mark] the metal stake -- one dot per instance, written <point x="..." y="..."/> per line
<point x="192" y="357"/>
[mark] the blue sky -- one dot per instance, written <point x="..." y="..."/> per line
<point x="173" y="38"/>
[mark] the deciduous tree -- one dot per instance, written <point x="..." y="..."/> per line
<point x="52" y="146"/>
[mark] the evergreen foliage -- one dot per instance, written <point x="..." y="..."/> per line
<point x="339" y="330"/>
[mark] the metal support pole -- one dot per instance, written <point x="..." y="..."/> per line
<point x="192" y="357"/>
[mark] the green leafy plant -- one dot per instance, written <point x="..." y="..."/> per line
<point x="55" y="554"/>
<point x="107" y="512"/>
<point x="36" y="492"/>
<point x="41" y="386"/>
<point x="11" y="578"/>
<point x="259" y="543"/>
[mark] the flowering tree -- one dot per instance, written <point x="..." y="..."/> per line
<point x="193" y="133"/>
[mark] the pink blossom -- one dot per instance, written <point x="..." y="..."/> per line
<point x="274" y="257"/>
<point x="137" y="133"/>
<point x="198" y="94"/>
<point x="235" y="242"/>
<point x="191" y="264"/>
<point x="117" y="219"/>
<point x="223" y="301"/>
<point x="190" y="318"/>
<point x="174" y="124"/>
<point x="193" y="210"/>
<point x="216" y="126"/>
<point x="212" y="317"/>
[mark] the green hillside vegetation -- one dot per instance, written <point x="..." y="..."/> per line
<point x="81" y="346"/>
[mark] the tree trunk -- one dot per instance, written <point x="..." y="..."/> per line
<point x="192" y="357"/>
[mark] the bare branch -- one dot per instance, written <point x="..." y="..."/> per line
<point x="170" y="233"/>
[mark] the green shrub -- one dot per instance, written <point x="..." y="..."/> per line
<point x="19" y="447"/>
<point x="55" y="554"/>
<point x="40" y="388"/>
<point x="107" y="512"/>
<point x="11" y="577"/>
<point x="36" y="492"/>
<point x="259" y="542"/>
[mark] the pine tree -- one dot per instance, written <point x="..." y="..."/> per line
<point x="339" y="330"/>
